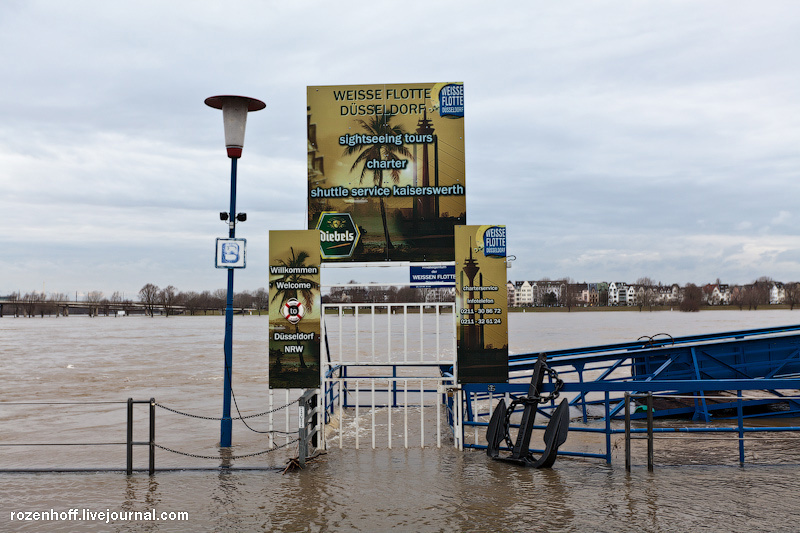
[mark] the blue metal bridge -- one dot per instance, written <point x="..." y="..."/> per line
<point x="733" y="375"/>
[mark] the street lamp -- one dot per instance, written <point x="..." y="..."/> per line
<point x="234" y="116"/>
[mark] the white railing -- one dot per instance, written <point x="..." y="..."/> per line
<point x="381" y="371"/>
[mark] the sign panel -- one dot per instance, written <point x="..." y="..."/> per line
<point x="231" y="253"/>
<point x="423" y="275"/>
<point x="392" y="158"/>
<point x="338" y="235"/>
<point x="481" y="304"/>
<point x="294" y="309"/>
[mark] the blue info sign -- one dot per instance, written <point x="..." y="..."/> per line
<point x="424" y="275"/>
<point x="231" y="253"/>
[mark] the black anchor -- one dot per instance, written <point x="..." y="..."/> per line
<point x="554" y="435"/>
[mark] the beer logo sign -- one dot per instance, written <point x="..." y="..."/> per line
<point x="293" y="310"/>
<point x="338" y="235"/>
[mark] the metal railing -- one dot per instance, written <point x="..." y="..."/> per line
<point x="391" y="376"/>
<point x="478" y="397"/>
<point x="650" y="432"/>
<point x="151" y="443"/>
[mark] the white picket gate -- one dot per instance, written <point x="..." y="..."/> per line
<point x="381" y="373"/>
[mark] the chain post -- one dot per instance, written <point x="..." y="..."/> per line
<point x="152" y="443"/>
<point x="129" y="442"/>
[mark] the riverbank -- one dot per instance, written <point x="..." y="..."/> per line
<point x="629" y="309"/>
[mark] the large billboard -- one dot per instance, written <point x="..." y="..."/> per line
<point x="294" y="309"/>
<point x="481" y="304"/>
<point x="386" y="170"/>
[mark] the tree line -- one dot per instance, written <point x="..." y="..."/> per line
<point x="690" y="297"/>
<point x="168" y="300"/>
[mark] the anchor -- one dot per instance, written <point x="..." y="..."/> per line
<point x="554" y="435"/>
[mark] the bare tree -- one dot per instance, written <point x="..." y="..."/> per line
<point x="166" y="297"/>
<point x="94" y="298"/>
<point x="191" y="300"/>
<point x="56" y="297"/>
<point x="792" y="294"/>
<point x="148" y="296"/>
<point x="243" y="300"/>
<point x="261" y="299"/>
<point x="757" y="293"/>
<point x="646" y="293"/>
<point x="219" y="299"/>
<point x="692" y="297"/>
<point x="14" y="297"/>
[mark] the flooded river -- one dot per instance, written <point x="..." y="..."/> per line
<point x="178" y="361"/>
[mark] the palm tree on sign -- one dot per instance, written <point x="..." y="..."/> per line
<point x="290" y="279"/>
<point x="378" y="125"/>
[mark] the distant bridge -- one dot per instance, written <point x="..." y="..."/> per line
<point x="11" y="306"/>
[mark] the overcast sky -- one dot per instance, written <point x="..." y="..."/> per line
<point x="615" y="139"/>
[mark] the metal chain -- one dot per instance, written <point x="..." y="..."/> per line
<point x="558" y="384"/>
<point x="219" y="418"/>
<point x="187" y="454"/>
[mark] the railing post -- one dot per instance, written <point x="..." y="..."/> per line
<point x="627" y="431"/>
<point x="315" y="422"/>
<point x="650" y="431"/>
<point x="129" y="441"/>
<point x="302" y="447"/>
<point x="152" y="443"/>
<point x="740" y="420"/>
<point x="608" y="427"/>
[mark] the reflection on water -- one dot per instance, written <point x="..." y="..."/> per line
<point x="179" y="361"/>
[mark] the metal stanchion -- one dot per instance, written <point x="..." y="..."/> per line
<point x="627" y="431"/>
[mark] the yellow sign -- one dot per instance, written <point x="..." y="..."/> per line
<point x="481" y="304"/>
<point x="392" y="157"/>
<point x="294" y="309"/>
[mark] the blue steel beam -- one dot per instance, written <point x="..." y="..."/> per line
<point x="667" y="385"/>
<point x="597" y="353"/>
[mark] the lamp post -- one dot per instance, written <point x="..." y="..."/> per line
<point x="234" y="116"/>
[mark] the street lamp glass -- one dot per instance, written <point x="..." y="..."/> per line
<point x="234" y="118"/>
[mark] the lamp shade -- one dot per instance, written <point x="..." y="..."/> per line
<point x="234" y="117"/>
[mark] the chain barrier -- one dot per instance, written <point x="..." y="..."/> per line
<point x="197" y="456"/>
<point x="220" y="418"/>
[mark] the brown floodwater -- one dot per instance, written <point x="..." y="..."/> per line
<point x="697" y="485"/>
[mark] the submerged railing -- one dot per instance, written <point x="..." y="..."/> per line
<point x="152" y="445"/>
<point x="386" y="360"/>
<point x="479" y="398"/>
<point x="650" y="432"/>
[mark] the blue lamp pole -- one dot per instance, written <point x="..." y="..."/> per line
<point x="234" y="116"/>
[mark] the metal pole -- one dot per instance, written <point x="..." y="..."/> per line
<point x="650" y="431"/>
<point x="152" y="443"/>
<point x="608" y="427"/>
<point x="302" y="447"/>
<point x="627" y="431"/>
<point x="226" y="426"/>
<point x="129" y="442"/>
<point x="740" y="420"/>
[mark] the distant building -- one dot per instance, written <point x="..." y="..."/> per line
<point x="777" y="293"/>
<point x="511" y="293"/>
<point x="617" y="293"/>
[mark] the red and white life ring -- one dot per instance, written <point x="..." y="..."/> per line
<point x="293" y="310"/>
